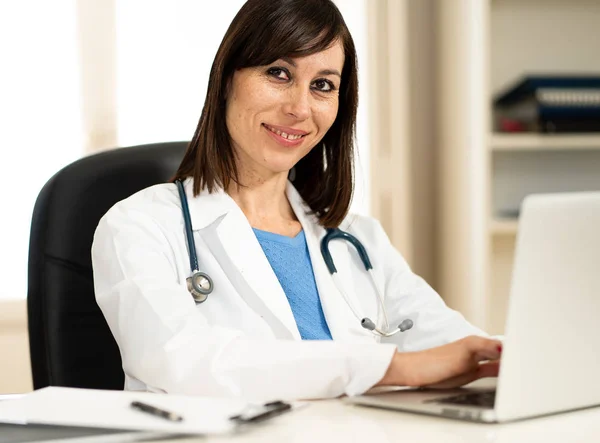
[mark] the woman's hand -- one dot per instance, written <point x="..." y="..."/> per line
<point x="448" y="366"/>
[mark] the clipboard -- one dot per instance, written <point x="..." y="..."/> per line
<point x="93" y="408"/>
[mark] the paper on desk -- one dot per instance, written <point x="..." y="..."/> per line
<point x="112" y="410"/>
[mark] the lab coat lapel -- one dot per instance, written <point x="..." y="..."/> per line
<point x="217" y="212"/>
<point x="343" y="324"/>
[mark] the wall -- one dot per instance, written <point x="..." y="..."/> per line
<point x="15" y="370"/>
<point x="402" y="109"/>
<point x="40" y="111"/>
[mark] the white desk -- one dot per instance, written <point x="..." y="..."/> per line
<point x="334" y="421"/>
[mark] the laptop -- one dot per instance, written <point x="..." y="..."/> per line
<point x="551" y="350"/>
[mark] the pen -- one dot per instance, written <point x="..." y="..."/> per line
<point x="153" y="410"/>
<point x="267" y="411"/>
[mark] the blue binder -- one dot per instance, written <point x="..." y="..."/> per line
<point x="556" y="103"/>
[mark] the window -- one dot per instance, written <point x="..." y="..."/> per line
<point x="165" y="51"/>
<point x="40" y="115"/>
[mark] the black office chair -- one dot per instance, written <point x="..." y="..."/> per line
<point x="69" y="340"/>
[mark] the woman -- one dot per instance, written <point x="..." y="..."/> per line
<point x="268" y="170"/>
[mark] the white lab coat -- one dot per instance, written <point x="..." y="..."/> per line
<point x="243" y="341"/>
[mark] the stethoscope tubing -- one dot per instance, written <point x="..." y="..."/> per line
<point x="200" y="293"/>
<point x="187" y="222"/>
<point x="338" y="234"/>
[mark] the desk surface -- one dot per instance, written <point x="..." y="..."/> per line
<point x="335" y="421"/>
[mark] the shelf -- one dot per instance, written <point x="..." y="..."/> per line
<point x="543" y="142"/>
<point x="504" y="226"/>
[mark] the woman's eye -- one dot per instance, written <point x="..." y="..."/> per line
<point x="324" y="85"/>
<point x="279" y="73"/>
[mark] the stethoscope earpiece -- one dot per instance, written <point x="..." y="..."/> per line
<point x="368" y="324"/>
<point x="405" y="325"/>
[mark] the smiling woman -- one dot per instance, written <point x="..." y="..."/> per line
<point x="295" y="84"/>
<point x="288" y="104"/>
<point x="278" y="322"/>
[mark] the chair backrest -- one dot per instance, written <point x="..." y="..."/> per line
<point x="70" y="342"/>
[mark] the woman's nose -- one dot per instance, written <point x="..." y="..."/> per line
<point x="297" y="103"/>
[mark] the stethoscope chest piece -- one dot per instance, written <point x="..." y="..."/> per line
<point x="200" y="285"/>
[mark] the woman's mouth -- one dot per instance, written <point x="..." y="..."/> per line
<point x="285" y="136"/>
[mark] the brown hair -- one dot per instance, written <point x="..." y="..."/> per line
<point x="262" y="32"/>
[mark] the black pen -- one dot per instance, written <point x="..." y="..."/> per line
<point x="153" y="410"/>
<point x="267" y="411"/>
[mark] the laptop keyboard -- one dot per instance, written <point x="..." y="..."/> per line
<point x="483" y="399"/>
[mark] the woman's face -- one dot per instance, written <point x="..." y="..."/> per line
<point x="277" y="113"/>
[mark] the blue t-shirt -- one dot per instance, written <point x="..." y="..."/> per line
<point x="290" y="260"/>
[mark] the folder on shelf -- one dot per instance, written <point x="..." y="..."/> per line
<point x="549" y="104"/>
<point x="91" y="408"/>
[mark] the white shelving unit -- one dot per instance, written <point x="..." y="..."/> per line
<point x="485" y="46"/>
<point x="539" y="142"/>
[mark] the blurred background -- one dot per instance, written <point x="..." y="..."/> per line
<point x="466" y="106"/>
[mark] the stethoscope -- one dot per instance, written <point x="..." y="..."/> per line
<point x="200" y="285"/>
